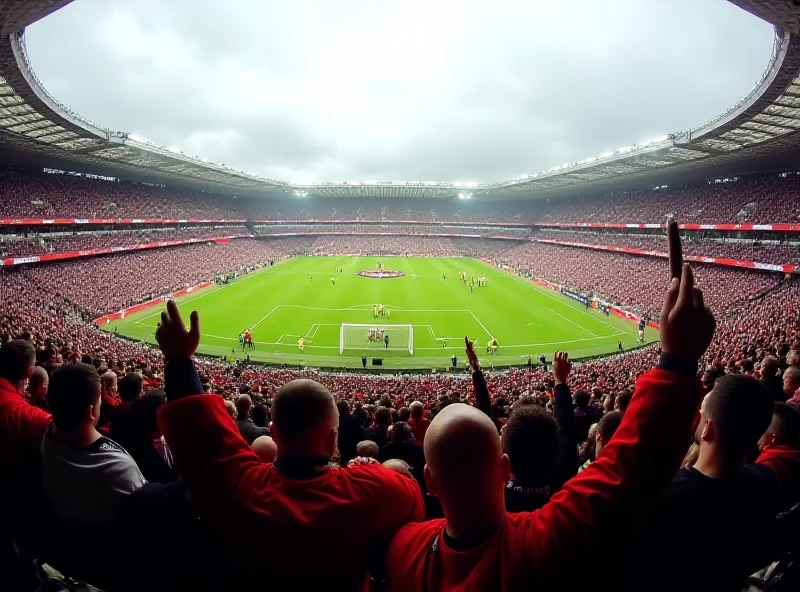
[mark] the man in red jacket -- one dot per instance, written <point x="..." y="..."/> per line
<point x="478" y="546"/>
<point x="780" y="451"/>
<point x="298" y="522"/>
<point x="22" y="425"/>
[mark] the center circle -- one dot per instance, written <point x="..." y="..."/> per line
<point x="380" y="274"/>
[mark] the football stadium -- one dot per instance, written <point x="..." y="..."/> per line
<point x="258" y="375"/>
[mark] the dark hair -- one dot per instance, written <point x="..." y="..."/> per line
<point x="73" y="388"/>
<point x="130" y="387"/>
<point x="608" y="424"/>
<point x="741" y="408"/>
<point x="530" y="439"/>
<point x="582" y="398"/>
<point x="789" y="420"/>
<point x="747" y="365"/>
<point x="383" y="416"/>
<point x="403" y="414"/>
<point x="16" y="357"/>
<point x="400" y="432"/>
<point x="343" y="408"/>
<point x="260" y="415"/>
<point x="145" y="409"/>
<point x="243" y="405"/>
<point x="624" y="399"/>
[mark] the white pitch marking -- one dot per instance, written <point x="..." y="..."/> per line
<point x="571" y="321"/>
<point x="546" y="292"/>
<point x="481" y="324"/>
<point x="264" y="317"/>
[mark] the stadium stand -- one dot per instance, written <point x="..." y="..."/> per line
<point x="130" y="475"/>
<point x="741" y="249"/>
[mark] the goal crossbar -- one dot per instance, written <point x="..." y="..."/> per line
<point x="360" y="335"/>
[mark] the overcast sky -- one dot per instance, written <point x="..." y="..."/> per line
<point x="448" y="90"/>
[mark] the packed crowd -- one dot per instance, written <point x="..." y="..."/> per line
<point x="758" y="199"/>
<point x="35" y="244"/>
<point x="627" y="279"/>
<point x="767" y="198"/>
<point x="778" y="254"/>
<point x="98" y="285"/>
<point x="417" y="246"/>
<point x="407" y="229"/>
<point x="403" y="483"/>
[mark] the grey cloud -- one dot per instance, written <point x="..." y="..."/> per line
<point x="423" y="91"/>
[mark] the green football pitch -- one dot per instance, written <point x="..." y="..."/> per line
<point x="296" y="299"/>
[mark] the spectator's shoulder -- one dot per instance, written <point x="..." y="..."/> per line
<point x="416" y="536"/>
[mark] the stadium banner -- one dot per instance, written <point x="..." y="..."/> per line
<point x="365" y="222"/>
<point x="114" y="316"/>
<point x="724" y="227"/>
<point x="124" y="221"/>
<point x="697" y="258"/>
<point x="49" y="257"/>
<point x="575" y="296"/>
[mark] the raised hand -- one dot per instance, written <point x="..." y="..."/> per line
<point x="675" y="250"/>
<point x="686" y="325"/>
<point x="561" y="367"/>
<point x="472" y="358"/>
<point x="173" y="338"/>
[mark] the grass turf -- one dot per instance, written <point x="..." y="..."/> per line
<point x="282" y="303"/>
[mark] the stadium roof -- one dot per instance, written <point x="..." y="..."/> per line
<point x="764" y="123"/>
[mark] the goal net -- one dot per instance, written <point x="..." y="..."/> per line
<point x="360" y="337"/>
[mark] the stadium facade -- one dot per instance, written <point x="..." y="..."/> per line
<point x="759" y="133"/>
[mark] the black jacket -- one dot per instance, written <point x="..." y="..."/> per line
<point x="249" y="430"/>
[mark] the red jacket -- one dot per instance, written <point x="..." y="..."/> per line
<point x="22" y="427"/>
<point x="785" y="463"/>
<point x="602" y="505"/>
<point x="320" y="531"/>
<point x="419" y="427"/>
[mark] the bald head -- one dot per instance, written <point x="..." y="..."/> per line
<point x="304" y="419"/>
<point x="417" y="409"/>
<point x="460" y="442"/>
<point x="265" y="449"/>
<point x="463" y="453"/>
<point x="367" y="448"/>
<point x="230" y="408"/>
<point x="399" y="466"/>
<point x="37" y="384"/>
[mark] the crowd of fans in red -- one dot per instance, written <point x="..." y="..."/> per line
<point x="35" y="244"/>
<point x="778" y="254"/>
<point x="758" y="199"/>
<point x="409" y="246"/>
<point x="628" y="280"/>
<point x="400" y="483"/>
<point x="767" y="199"/>
<point x="250" y="476"/>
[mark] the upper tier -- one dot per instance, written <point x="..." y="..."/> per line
<point x="757" y="199"/>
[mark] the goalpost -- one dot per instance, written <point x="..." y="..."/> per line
<point x="356" y="337"/>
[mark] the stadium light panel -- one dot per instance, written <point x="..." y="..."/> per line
<point x="471" y="184"/>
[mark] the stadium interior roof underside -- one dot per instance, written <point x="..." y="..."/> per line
<point x="761" y="132"/>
